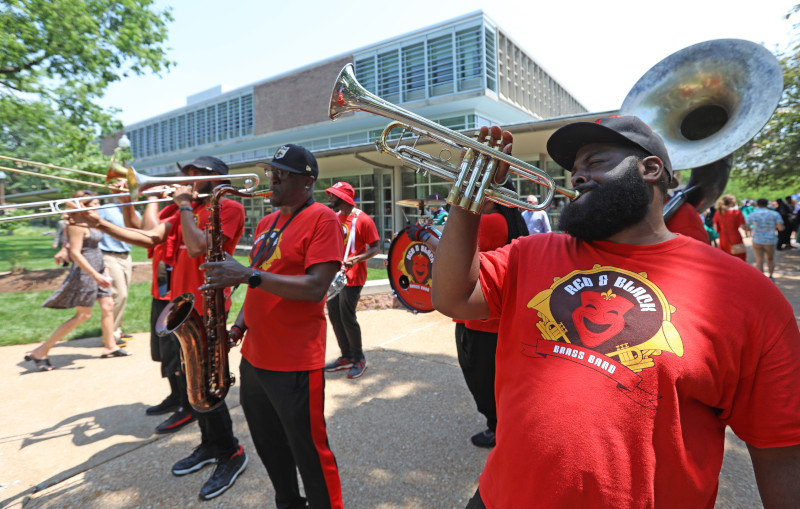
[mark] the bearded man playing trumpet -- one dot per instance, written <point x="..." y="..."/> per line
<point x="615" y="383"/>
<point x="185" y="244"/>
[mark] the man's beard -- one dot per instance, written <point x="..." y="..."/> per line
<point x="205" y="187"/>
<point x="608" y="208"/>
<point x="336" y="203"/>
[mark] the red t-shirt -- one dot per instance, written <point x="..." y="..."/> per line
<point x="492" y="234"/>
<point x="156" y="254"/>
<point x="619" y="366"/>
<point x="727" y="224"/>
<point x="186" y="273"/>
<point x="366" y="234"/>
<point x="283" y="334"/>
<point x="686" y="221"/>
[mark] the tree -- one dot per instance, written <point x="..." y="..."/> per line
<point x="56" y="58"/>
<point x="772" y="159"/>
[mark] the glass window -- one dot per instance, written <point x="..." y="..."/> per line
<point x="339" y="141"/>
<point x="247" y="115"/>
<point x="455" y="123"/>
<point x="172" y="134"/>
<point x="365" y="72"/>
<point x="235" y="120"/>
<point x="470" y="58"/>
<point x="158" y="135"/>
<point x="440" y="65"/>
<point x="414" y="72"/>
<point x="181" y="132"/>
<point x="389" y="76"/>
<point x="201" y="127"/>
<point x="222" y="121"/>
<point x="211" y="122"/>
<point x="191" y="130"/>
<point x="491" y="59"/>
<point x="149" y="139"/>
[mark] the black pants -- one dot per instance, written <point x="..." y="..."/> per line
<point x="216" y="431"/>
<point x="476" y="502"/>
<point x="342" y="314"/>
<point x="785" y="236"/>
<point x="476" y="352"/>
<point x="163" y="349"/>
<point x="284" y="411"/>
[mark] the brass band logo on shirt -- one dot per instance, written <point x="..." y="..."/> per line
<point x="612" y="320"/>
<point x="260" y="257"/>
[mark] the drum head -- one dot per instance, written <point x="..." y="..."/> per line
<point x="410" y="268"/>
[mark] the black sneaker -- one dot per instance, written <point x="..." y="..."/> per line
<point x="224" y="475"/>
<point x="175" y="422"/>
<point x="200" y="457"/>
<point x="358" y="369"/>
<point x="166" y="406"/>
<point x="485" y="438"/>
<point x="338" y="365"/>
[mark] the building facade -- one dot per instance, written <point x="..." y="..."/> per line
<point x="463" y="74"/>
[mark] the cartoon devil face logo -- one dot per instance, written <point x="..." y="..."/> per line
<point x="600" y="317"/>
<point x="419" y="267"/>
<point x="260" y="256"/>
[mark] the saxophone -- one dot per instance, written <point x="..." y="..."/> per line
<point x="204" y="339"/>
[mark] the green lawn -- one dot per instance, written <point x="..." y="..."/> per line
<point x="31" y="248"/>
<point x="25" y="321"/>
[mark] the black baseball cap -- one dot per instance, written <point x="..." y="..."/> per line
<point x="207" y="163"/>
<point x="629" y="130"/>
<point x="294" y="159"/>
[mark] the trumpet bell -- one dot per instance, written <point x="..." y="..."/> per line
<point x="707" y="100"/>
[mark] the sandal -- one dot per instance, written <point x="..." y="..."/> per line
<point x="116" y="353"/>
<point x="41" y="364"/>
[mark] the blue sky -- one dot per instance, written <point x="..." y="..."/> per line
<point x="596" y="49"/>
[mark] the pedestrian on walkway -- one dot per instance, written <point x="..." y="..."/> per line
<point x="727" y="222"/>
<point x="765" y="224"/>
<point x="86" y="283"/>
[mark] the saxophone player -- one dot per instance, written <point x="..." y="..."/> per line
<point x="184" y="238"/>
<point x="296" y="254"/>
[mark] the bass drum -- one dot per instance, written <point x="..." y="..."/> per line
<point x="410" y="268"/>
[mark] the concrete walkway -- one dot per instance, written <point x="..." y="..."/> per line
<point x="78" y="436"/>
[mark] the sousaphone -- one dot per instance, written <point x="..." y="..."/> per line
<point x="706" y="101"/>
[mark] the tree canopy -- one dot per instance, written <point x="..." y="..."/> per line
<point x="57" y="57"/>
<point x="772" y="159"/>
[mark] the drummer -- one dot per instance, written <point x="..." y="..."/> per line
<point x="435" y="205"/>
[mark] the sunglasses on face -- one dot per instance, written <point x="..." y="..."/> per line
<point x="280" y="173"/>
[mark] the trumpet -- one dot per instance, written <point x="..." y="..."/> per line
<point x="473" y="177"/>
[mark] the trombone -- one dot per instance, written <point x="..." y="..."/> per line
<point x="138" y="184"/>
<point x="473" y="177"/>
<point x="115" y="170"/>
